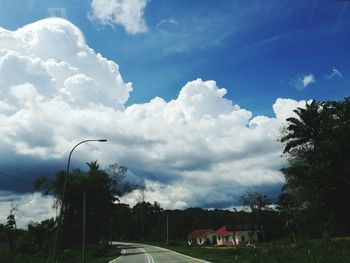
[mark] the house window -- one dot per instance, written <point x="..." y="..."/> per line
<point x="226" y="238"/>
<point x="219" y="238"/>
<point x="242" y="238"/>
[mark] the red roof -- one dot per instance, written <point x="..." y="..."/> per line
<point x="223" y="232"/>
<point x="200" y="233"/>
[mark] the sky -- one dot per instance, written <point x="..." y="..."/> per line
<point x="191" y="95"/>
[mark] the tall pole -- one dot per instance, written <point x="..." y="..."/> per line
<point x="84" y="227"/>
<point x="167" y="229"/>
<point x="63" y="194"/>
<point x="110" y="231"/>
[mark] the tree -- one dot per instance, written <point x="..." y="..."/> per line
<point x="291" y="208"/>
<point x="305" y="129"/>
<point x="146" y="217"/>
<point x="102" y="189"/>
<point x="37" y="238"/>
<point x="11" y="222"/>
<point x="318" y="153"/>
<point x="257" y="202"/>
<point x="10" y="227"/>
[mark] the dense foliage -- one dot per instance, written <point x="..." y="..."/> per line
<point x="257" y="202"/>
<point x="148" y="222"/>
<point x="317" y="147"/>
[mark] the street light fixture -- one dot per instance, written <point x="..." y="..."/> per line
<point x="63" y="193"/>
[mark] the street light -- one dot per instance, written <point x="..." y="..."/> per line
<point x="63" y="193"/>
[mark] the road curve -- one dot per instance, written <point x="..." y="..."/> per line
<point x="141" y="253"/>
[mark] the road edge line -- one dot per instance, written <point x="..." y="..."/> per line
<point x="198" y="259"/>
<point x="116" y="259"/>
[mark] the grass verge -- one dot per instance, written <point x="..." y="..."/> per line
<point x="94" y="254"/>
<point x="320" y="251"/>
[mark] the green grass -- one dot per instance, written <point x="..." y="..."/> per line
<point x="275" y="252"/>
<point x="94" y="254"/>
<point x="3" y="248"/>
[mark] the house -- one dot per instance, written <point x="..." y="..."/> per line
<point x="240" y="234"/>
<point x="224" y="237"/>
<point x="201" y="236"/>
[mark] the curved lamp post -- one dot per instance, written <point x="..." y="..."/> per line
<point x="63" y="193"/>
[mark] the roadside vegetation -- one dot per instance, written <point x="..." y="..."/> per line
<point x="36" y="242"/>
<point x="308" y="251"/>
<point x="94" y="254"/>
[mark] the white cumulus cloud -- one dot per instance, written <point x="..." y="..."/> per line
<point x="199" y="149"/>
<point x="127" y="13"/>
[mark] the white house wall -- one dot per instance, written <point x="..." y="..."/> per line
<point x="221" y="240"/>
<point x="201" y="240"/>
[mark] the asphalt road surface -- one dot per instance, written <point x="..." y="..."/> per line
<point x="140" y="253"/>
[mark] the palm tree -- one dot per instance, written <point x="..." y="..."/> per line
<point x="317" y="141"/>
<point x="304" y="129"/>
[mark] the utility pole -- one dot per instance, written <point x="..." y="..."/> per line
<point x="110" y="231"/>
<point x="167" y="229"/>
<point x="84" y="227"/>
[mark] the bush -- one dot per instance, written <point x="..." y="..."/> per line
<point x="100" y="249"/>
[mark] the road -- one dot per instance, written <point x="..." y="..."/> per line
<point x="140" y="253"/>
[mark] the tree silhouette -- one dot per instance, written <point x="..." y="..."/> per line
<point x="305" y="129"/>
<point x="257" y="202"/>
<point x="317" y="147"/>
<point x="102" y="190"/>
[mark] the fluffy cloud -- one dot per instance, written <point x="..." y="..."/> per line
<point x="199" y="149"/>
<point x="43" y="82"/>
<point x="127" y="13"/>
<point x="301" y="82"/>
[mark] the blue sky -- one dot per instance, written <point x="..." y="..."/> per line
<point x="199" y="137"/>
<point x="252" y="49"/>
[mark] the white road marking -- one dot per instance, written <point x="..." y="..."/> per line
<point x="148" y="256"/>
<point x="174" y="261"/>
<point x="200" y="260"/>
<point x="115" y="260"/>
